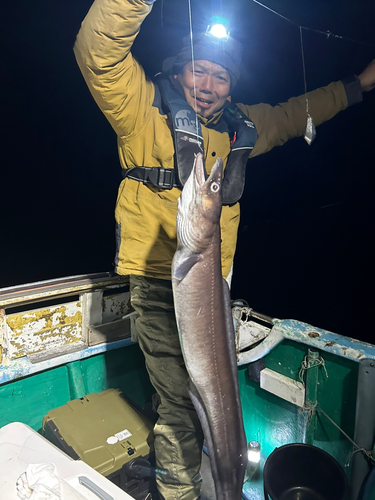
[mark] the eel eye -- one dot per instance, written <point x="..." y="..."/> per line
<point x="215" y="187"/>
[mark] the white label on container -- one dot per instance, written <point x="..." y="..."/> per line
<point x="123" y="435"/>
<point x="112" y="440"/>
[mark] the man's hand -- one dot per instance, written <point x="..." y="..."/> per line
<point x="367" y="77"/>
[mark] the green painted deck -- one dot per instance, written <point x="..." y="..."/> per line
<point x="27" y="400"/>
<point x="270" y="420"/>
<point x="275" y="422"/>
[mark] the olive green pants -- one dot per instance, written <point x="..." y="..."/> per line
<point x="178" y="434"/>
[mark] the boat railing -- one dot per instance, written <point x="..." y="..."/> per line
<point x="47" y="323"/>
<point x="57" y="321"/>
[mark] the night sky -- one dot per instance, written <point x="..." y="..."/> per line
<point x="307" y="240"/>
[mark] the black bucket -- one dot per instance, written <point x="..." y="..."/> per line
<point x="303" y="472"/>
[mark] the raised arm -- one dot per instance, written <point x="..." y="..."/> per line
<point x="367" y="77"/>
<point x="277" y="124"/>
<point x="115" y="79"/>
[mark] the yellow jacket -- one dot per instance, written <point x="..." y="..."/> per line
<point x="145" y="216"/>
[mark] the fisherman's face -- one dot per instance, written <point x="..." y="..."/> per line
<point x="212" y="83"/>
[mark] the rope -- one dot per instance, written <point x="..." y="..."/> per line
<point x="238" y="312"/>
<point x="307" y="364"/>
<point x="310" y="410"/>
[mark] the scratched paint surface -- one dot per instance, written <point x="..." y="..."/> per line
<point x="36" y="330"/>
<point x="115" y="306"/>
<point x="318" y="338"/>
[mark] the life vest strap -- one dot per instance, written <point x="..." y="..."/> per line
<point x="159" y="177"/>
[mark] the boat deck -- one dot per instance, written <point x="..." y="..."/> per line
<point x="62" y="340"/>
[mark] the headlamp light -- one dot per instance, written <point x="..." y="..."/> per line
<point x="218" y="28"/>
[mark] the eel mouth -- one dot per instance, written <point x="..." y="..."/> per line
<point x="199" y="170"/>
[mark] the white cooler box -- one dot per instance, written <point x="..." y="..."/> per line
<point x="21" y="446"/>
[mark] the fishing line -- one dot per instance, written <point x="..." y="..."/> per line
<point x="368" y="453"/>
<point x="327" y="33"/>
<point x="304" y="69"/>
<point x="192" y="61"/>
<point x="310" y="128"/>
<point x="274" y="11"/>
<point x="310" y="132"/>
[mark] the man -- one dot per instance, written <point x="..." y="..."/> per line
<point x="156" y="127"/>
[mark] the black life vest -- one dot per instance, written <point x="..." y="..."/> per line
<point x="188" y="141"/>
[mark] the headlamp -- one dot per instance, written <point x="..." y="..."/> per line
<point x="218" y="28"/>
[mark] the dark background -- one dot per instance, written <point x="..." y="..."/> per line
<point x="306" y="241"/>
